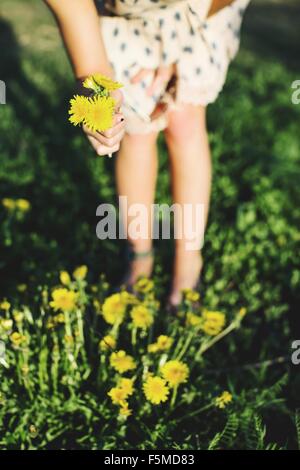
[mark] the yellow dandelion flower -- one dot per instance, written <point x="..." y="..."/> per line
<point x="90" y="84"/>
<point x="117" y="395"/>
<point x="18" y="316"/>
<point x="164" y="342"/>
<point x="78" y="109"/>
<point x="6" y="324"/>
<point x="8" y="203"/>
<point x="125" y="411"/>
<point x="127" y="386"/>
<point x="175" y="372"/>
<point x="102" y="81"/>
<point x="100" y="112"/>
<point x="156" y="390"/>
<point x="114" y="309"/>
<point x="64" y="278"/>
<point x="144" y="285"/>
<point x="120" y="393"/>
<point x="213" y="322"/>
<point x="80" y="273"/>
<point x="191" y="295"/>
<point x="23" y="205"/>
<point x="192" y="319"/>
<point x="141" y="316"/>
<point x="106" y="82"/>
<point x="17" y="338"/>
<point x="128" y="298"/>
<point x="107" y="343"/>
<point x="153" y="348"/>
<point x="122" y="362"/>
<point x="223" y="399"/>
<point x="5" y="305"/>
<point x="63" y="299"/>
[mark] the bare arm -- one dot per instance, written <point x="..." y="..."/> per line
<point x="79" y="25"/>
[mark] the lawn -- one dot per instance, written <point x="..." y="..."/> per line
<point x="55" y="373"/>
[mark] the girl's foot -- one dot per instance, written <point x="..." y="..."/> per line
<point x="187" y="270"/>
<point x="140" y="264"/>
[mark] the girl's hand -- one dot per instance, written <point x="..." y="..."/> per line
<point x="108" y="142"/>
<point x="161" y="77"/>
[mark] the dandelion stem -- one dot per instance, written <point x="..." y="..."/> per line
<point x="179" y="344"/>
<point x="217" y="338"/>
<point x="174" y="395"/>
<point x="55" y="362"/>
<point x="133" y="336"/>
<point x="204" y="408"/>
<point x="185" y="346"/>
<point x="68" y="324"/>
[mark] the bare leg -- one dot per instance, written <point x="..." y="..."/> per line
<point x="136" y="171"/>
<point x="189" y="154"/>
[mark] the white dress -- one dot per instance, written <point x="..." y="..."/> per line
<point x="149" y="33"/>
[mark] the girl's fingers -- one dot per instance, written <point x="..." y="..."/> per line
<point x="161" y="78"/>
<point x="118" y="125"/>
<point x="101" y="149"/>
<point x="118" y="97"/>
<point x="111" y="141"/>
<point x="108" y="141"/>
<point x="156" y="85"/>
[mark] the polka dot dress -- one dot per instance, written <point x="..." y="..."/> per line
<point x="151" y="33"/>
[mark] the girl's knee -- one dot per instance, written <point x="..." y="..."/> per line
<point x="185" y="122"/>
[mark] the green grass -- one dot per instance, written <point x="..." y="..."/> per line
<point x="252" y="244"/>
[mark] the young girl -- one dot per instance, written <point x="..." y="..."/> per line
<point x="172" y="57"/>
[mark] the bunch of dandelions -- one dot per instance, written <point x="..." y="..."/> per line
<point x="97" y="111"/>
<point x="159" y="370"/>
